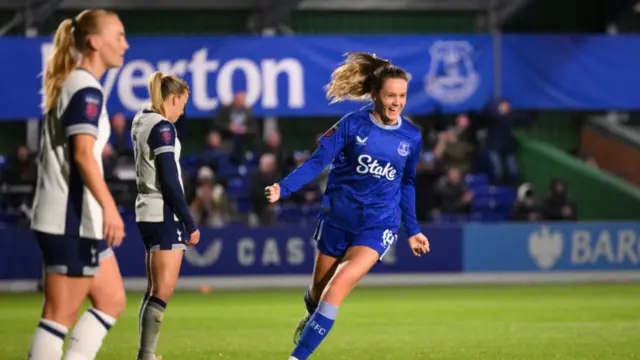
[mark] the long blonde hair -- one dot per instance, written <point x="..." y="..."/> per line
<point x="70" y="41"/>
<point x="161" y="86"/>
<point x="359" y="75"/>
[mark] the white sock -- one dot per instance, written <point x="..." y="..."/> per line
<point x="48" y="341"/>
<point x="86" y="338"/>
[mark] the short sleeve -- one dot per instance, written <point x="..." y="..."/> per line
<point x="83" y="112"/>
<point x="162" y="138"/>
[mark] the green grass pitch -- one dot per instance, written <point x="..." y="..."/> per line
<point x="534" y="322"/>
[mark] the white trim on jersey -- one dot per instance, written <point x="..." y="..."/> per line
<point x="82" y="129"/>
<point x="163" y="149"/>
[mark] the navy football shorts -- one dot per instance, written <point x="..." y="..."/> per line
<point x="334" y="242"/>
<point x="169" y="235"/>
<point x="72" y="255"/>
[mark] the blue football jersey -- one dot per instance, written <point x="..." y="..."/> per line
<point x="372" y="175"/>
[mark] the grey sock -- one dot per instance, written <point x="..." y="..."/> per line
<point x="150" y="322"/>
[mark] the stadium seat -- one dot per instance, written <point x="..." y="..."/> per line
<point x="237" y="187"/>
<point x="475" y="181"/>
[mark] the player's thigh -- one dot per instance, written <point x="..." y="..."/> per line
<point x="331" y="244"/>
<point x="69" y="264"/>
<point x="107" y="290"/>
<point x="165" y="270"/>
<point x="356" y="263"/>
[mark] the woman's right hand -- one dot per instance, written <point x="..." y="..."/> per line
<point x="272" y="193"/>
<point x="113" y="226"/>
<point x="194" y="238"/>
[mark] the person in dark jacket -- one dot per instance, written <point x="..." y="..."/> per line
<point x="501" y="143"/>
<point x="558" y="206"/>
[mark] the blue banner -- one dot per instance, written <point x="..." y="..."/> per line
<point x="551" y="247"/>
<point x="241" y="251"/>
<point x="282" y="76"/>
<point x="571" y="72"/>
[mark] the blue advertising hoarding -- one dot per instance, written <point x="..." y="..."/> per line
<point x="571" y="72"/>
<point x="282" y="76"/>
<point x="241" y="251"/>
<point x="551" y="247"/>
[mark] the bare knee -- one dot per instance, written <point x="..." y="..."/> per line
<point x="163" y="290"/>
<point x="113" y="305"/>
<point x="338" y="288"/>
<point x="60" y="313"/>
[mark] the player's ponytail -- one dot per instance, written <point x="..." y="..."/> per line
<point x="62" y="62"/>
<point x="155" y="92"/>
<point x="359" y="75"/>
<point x="69" y="42"/>
<point x="161" y="86"/>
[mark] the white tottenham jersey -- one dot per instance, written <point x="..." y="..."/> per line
<point x="63" y="205"/>
<point x="152" y="135"/>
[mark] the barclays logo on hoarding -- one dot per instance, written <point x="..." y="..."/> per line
<point x="545" y="247"/>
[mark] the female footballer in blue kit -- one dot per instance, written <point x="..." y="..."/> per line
<point x="75" y="218"/>
<point x="371" y="189"/>
<point x="162" y="213"/>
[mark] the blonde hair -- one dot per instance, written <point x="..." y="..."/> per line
<point x="70" y="40"/>
<point x="359" y="75"/>
<point x="161" y="86"/>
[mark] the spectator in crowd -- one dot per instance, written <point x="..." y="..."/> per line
<point x="454" y="197"/>
<point x="20" y="175"/>
<point x="20" y="168"/>
<point x="210" y="206"/>
<point x="236" y="118"/>
<point x="499" y="120"/>
<point x="273" y="145"/>
<point x="211" y="155"/>
<point x="526" y="207"/>
<point x="267" y="175"/>
<point x="235" y="122"/>
<point x="558" y="206"/>
<point x="452" y="149"/>
<point x="120" y="138"/>
<point x="428" y="172"/>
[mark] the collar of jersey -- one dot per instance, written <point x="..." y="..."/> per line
<point x="386" y="127"/>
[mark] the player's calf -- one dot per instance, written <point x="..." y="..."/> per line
<point x="317" y="328"/>
<point x="109" y="301"/>
<point x="63" y="299"/>
<point x="311" y="306"/>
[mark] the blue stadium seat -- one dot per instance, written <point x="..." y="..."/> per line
<point x="244" y="205"/>
<point x="290" y="213"/>
<point x="451" y="219"/>
<point x="475" y="181"/>
<point x="237" y="187"/>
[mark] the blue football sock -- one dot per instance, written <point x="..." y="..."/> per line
<point x="311" y="304"/>
<point x="316" y="330"/>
